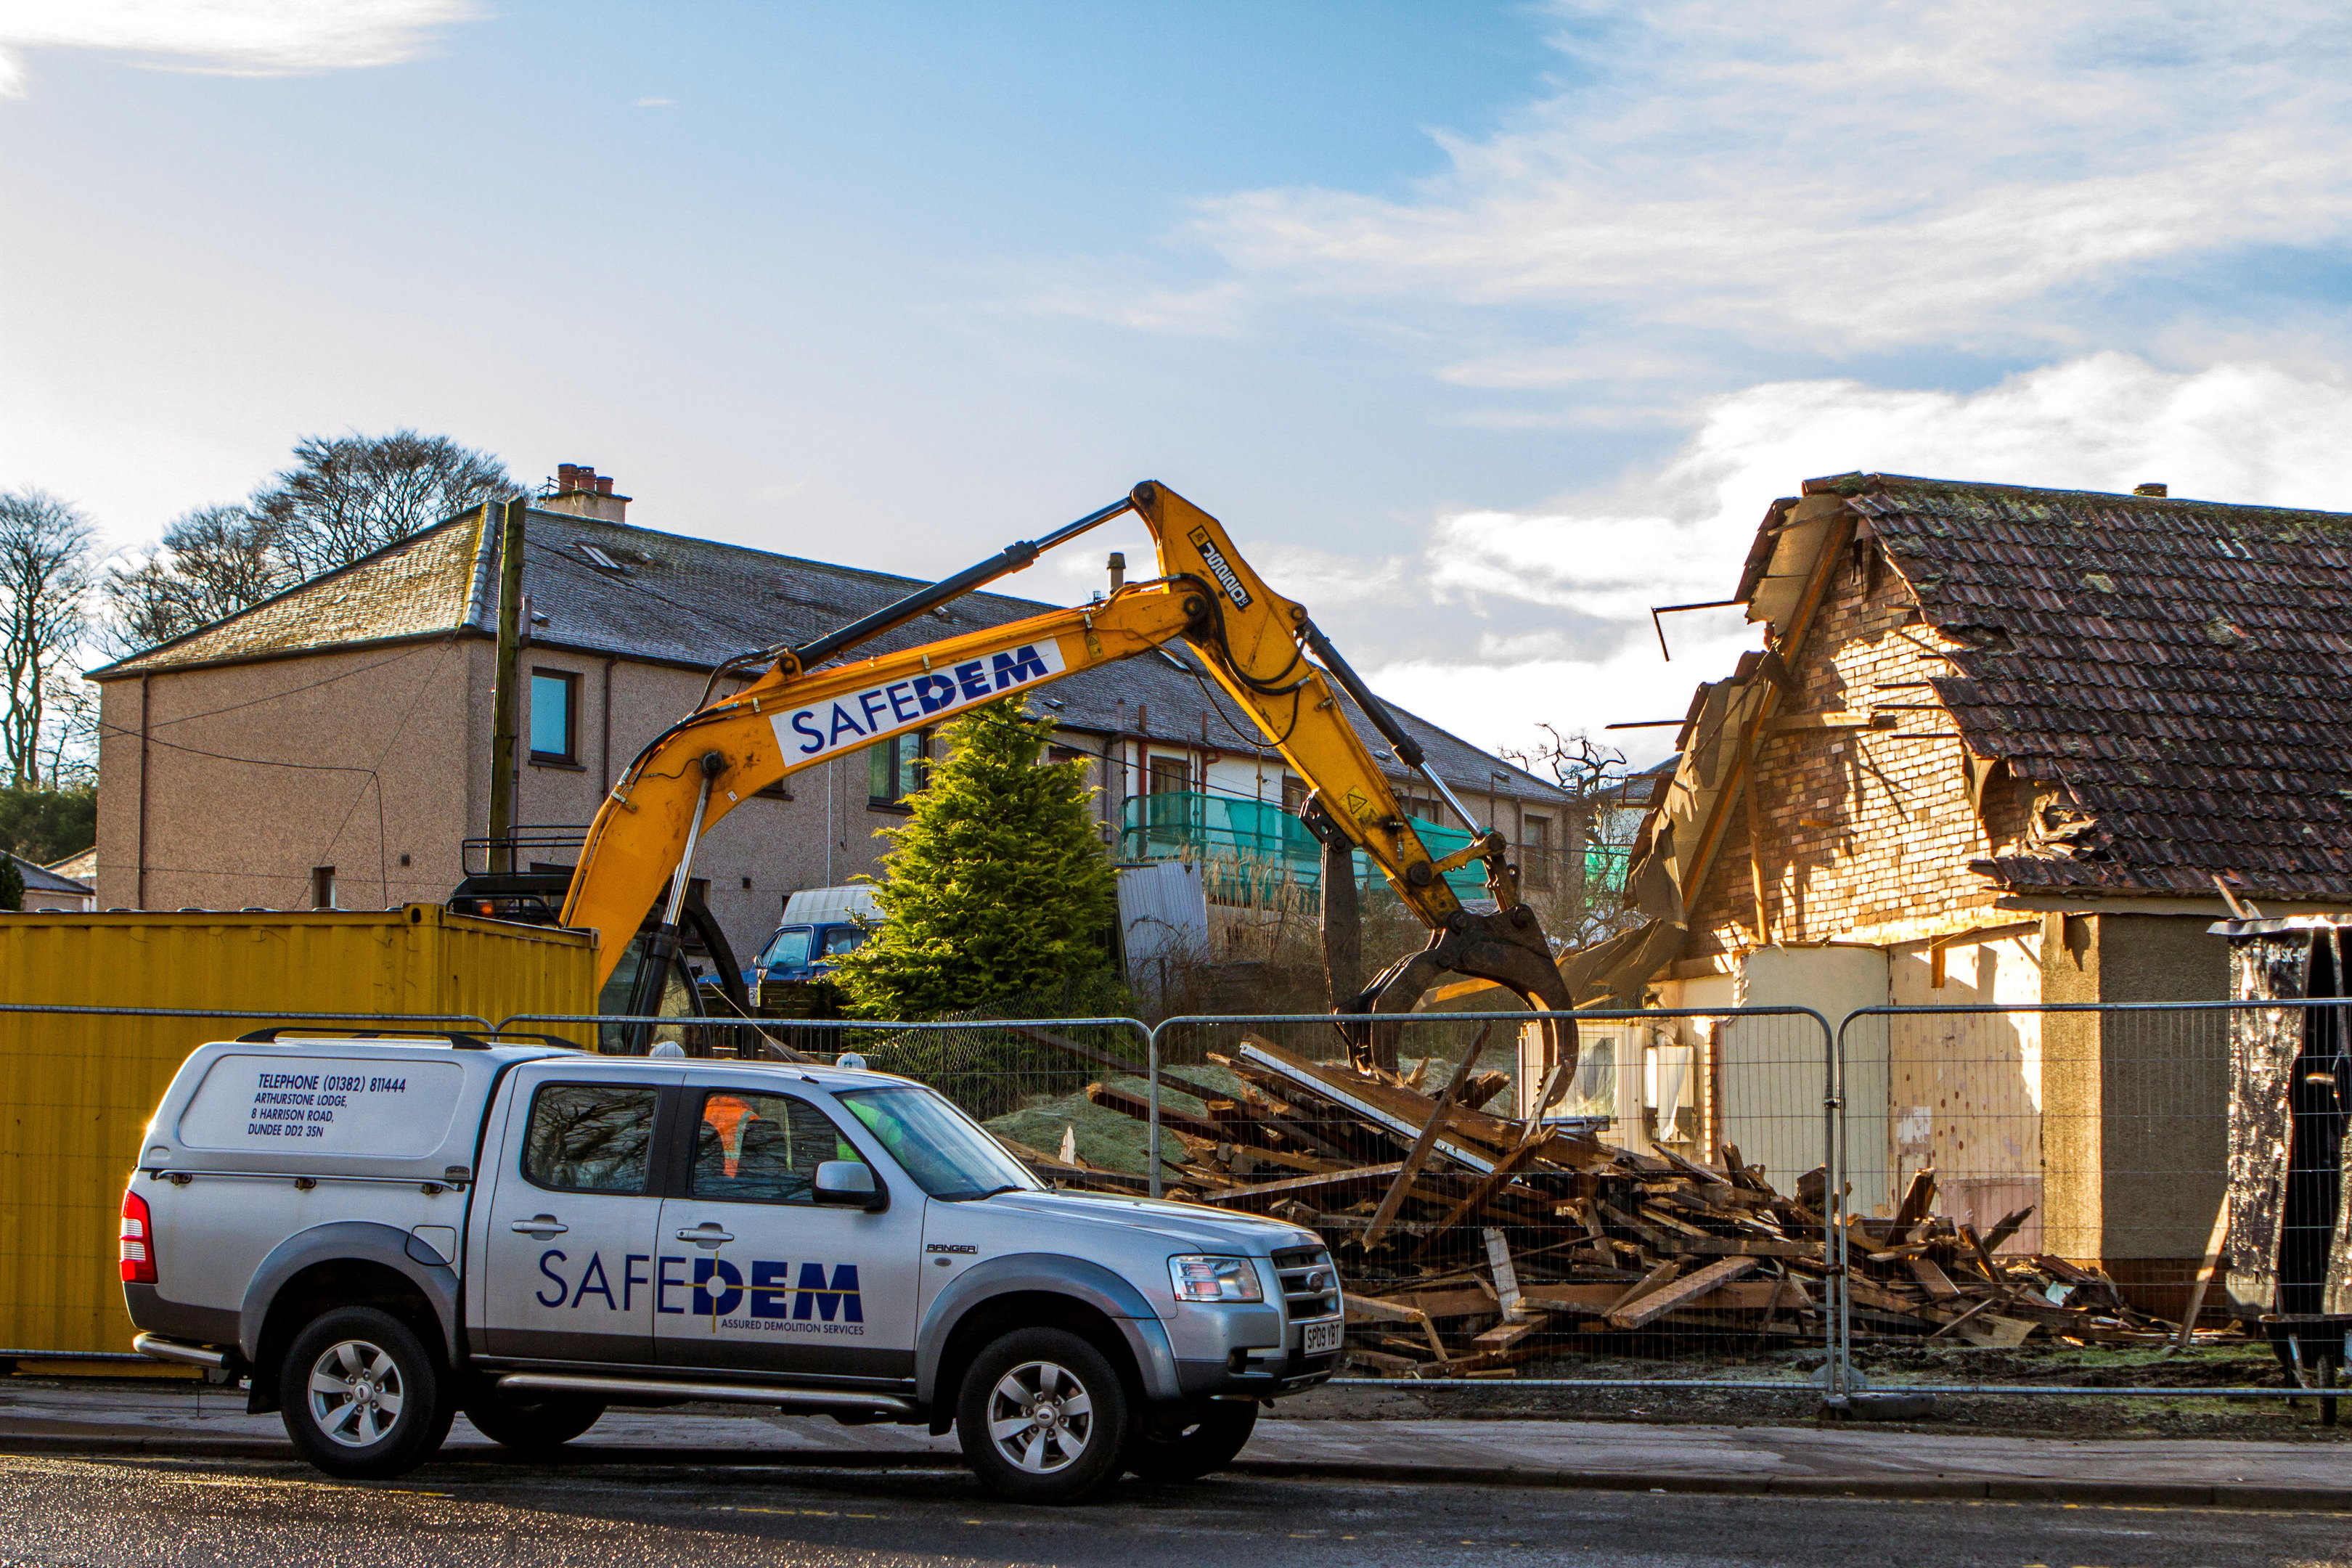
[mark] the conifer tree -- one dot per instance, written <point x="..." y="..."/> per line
<point x="996" y="889"/>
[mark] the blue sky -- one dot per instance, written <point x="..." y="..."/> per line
<point x="1485" y="327"/>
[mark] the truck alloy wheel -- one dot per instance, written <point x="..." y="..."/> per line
<point x="1041" y="1418"/>
<point x="356" y="1393"/>
<point x="363" y="1396"/>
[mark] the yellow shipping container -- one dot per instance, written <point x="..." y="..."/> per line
<point x="77" y="1089"/>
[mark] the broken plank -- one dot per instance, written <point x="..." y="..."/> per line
<point x="1938" y="1284"/>
<point x="1596" y="1299"/>
<point x="2009" y="1225"/>
<point x="1328" y="1185"/>
<point x="1643" y="1309"/>
<point x="1398" y="1112"/>
<point x="1917" y="1199"/>
<point x="1650" y="1238"/>
<point x="1460" y="1304"/>
<point x="1658" y="1278"/>
<point x="1427" y="1143"/>
<point x="1484" y="1190"/>
<point x="1139" y="1108"/>
<point x="1754" y="1246"/>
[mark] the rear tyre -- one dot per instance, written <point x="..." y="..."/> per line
<point x="533" y="1423"/>
<point x="1042" y="1416"/>
<point x="363" y="1398"/>
<point x="1191" y="1444"/>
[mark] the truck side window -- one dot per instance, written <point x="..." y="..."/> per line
<point x="589" y="1138"/>
<point x="763" y="1147"/>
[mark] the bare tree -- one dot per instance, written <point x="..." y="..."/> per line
<point x="342" y="499"/>
<point x="351" y="496"/>
<point x="46" y="577"/>
<point x="213" y="562"/>
<point x="69" y="746"/>
<point x="1599" y="828"/>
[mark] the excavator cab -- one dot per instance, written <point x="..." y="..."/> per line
<point x="704" y="978"/>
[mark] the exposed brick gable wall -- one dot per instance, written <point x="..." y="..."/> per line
<point x="1856" y="828"/>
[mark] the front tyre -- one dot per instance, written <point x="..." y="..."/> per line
<point x="1192" y="1443"/>
<point x="363" y="1398"/>
<point x="1042" y="1416"/>
<point x="532" y="1425"/>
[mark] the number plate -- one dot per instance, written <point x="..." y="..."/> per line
<point x="1323" y="1338"/>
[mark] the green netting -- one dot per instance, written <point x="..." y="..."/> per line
<point x="1260" y="834"/>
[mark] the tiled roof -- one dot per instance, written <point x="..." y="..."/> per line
<point x="2181" y="669"/>
<point x="693" y="602"/>
<point x="418" y="587"/>
<point x="41" y="879"/>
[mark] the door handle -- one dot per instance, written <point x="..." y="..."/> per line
<point x="707" y="1234"/>
<point x="539" y="1226"/>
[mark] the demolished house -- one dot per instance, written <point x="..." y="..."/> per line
<point x="2011" y="746"/>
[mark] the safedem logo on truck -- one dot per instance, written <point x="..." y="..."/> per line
<point x="867" y="716"/>
<point x="718" y="1290"/>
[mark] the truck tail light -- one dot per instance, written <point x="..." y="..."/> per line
<point x="138" y="1242"/>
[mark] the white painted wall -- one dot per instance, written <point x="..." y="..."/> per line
<point x="1774" y="1069"/>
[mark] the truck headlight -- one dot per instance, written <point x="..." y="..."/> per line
<point x="1204" y="1279"/>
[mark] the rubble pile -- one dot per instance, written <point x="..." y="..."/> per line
<point x="1471" y="1242"/>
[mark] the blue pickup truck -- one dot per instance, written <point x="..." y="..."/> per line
<point x="820" y="924"/>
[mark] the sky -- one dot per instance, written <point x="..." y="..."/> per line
<point x="1484" y="328"/>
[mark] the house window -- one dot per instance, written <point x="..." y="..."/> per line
<point x="1294" y="793"/>
<point x="322" y="886"/>
<point x="1171" y="775"/>
<point x="897" y="768"/>
<point x="1535" y="851"/>
<point x="554" y="716"/>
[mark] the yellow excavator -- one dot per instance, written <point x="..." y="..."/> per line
<point x="812" y="702"/>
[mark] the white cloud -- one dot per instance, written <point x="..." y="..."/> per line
<point x="230" y="37"/>
<point x="1851" y="173"/>
<point x="1213" y="310"/>
<point x="653" y="103"/>
<point x="2244" y="433"/>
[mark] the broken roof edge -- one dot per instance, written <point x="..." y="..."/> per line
<point x="1851" y="486"/>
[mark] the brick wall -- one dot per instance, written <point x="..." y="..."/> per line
<point x="1856" y="827"/>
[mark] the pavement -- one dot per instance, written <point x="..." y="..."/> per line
<point x="94" y="1417"/>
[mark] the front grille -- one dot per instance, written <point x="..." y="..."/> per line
<point x="1310" y="1284"/>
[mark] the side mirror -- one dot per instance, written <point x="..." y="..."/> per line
<point x="849" y="1183"/>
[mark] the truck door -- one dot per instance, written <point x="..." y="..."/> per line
<point x="755" y="1275"/>
<point x="570" y="1244"/>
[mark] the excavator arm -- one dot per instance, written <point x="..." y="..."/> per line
<point x="1255" y="644"/>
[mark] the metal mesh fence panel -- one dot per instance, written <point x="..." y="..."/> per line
<point x="1641" y="1207"/>
<point x="2038" y="1198"/>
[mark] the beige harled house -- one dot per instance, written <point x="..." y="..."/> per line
<point x="331" y="746"/>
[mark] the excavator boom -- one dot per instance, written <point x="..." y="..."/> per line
<point x="1255" y="644"/>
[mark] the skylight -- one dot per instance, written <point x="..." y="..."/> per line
<point x="597" y="558"/>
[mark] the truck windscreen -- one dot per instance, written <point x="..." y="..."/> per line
<point x="789" y="949"/>
<point x="949" y="1155"/>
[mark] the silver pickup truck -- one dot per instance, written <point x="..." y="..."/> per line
<point x="377" y="1235"/>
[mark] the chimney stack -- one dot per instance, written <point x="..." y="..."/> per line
<point x="583" y="492"/>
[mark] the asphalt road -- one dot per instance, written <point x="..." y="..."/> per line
<point x="158" y="1512"/>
